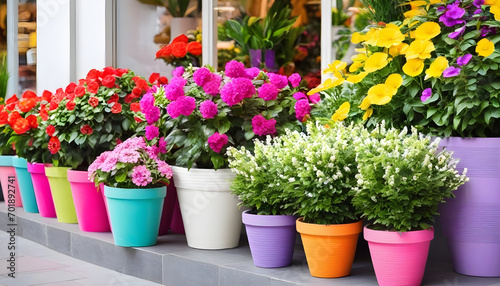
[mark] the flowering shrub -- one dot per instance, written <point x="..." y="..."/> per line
<point x="438" y="70"/>
<point x="88" y="118"/>
<point x="181" y="52"/>
<point x="402" y="179"/>
<point x="206" y="111"/>
<point x="131" y="164"/>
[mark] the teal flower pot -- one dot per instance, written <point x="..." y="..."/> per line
<point x="135" y="214"/>
<point x="25" y="185"/>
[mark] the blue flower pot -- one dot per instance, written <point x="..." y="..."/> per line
<point x="25" y="185"/>
<point x="135" y="214"/>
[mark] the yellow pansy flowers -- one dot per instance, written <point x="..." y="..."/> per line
<point x="342" y="112"/>
<point x="485" y="47"/>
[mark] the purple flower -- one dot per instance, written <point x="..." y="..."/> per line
<point x="478" y="3"/>
<point x="208" y="109"/>
<point x="457" y="32"/>
<point x="213" y="86"/>
<point x="451" y="72"/>
<point x="182" y="106"/>
<point x="217" y="141"/>
<point x="162" y="145"/>
<point x="302" y="108"/>
<point x="426" y="94"/>
<point x="280" y="81"/>
<point x="299" y="96"/>
<point x="236" y="90"/>
<point x="463" y="60"/>
<point x="262" y="127"/>
<point x="453" y="15"/>
<point x="141" y="176"/>
<point x="235" y="69"/>
<point x="178" y="71"/>
<point x="252" y="73"/>
<point x="152" y="132"/>
<point x="268" y="92"/>
<point x="487" y="30"/>
<point x="477" y="11"/>
<point x="173" y="91"/>
<point x="201" y="76"/>
<point x="294" y="79"/>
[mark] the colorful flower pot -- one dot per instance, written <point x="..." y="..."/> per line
<point x="89" y="203"/>
<point x="41" y="188"/>
<point x="25" y="185"/>
<point x="61" y="194"/>
<point x="329" y="249"/>
<point x="8" y="179"/>
<point x="135" y="214"/>
<point x="399" y="258"/>
<point x="210" y="212"/>
<point x="271" y="239"/>
<point x="471" y="221"/>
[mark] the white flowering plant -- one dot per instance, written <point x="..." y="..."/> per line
<point x="402" y="178"/>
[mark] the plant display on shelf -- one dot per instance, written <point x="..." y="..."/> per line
<point x="444" y="58"/>
<point x="88" y="118"/>
<point x="182" y="51"/>
<point x="402" y="179"/>
<point x="207" y="111"/>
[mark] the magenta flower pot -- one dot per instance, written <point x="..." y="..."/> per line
<point x="399" y="258"/>
<point x="168" y="209"/>
<point x="8" y="180"/>
<point x="42" y="189"/>
<point x="177" y="225"/>
<point x="471" y="221"/>
<point x="271" y="239"/>
<point x="89" y="203"/>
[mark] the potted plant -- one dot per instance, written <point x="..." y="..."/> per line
<point x="135" y="175"/>
<point x="201" y="113"/>
<point x="84" y="120"/>
<point x="182" y="51"/>
<point x="445" y="57"/>
<point x="401" y="181"/>
<point x="269" y="220"/>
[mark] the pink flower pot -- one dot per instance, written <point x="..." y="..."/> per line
<point x="89" y="203"/>
<point x="8" y="179"/>
<point x="399" y="258"/>
<point x="42" y="189"/>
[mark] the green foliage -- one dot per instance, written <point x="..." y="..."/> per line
<point x="385" y="10"/>
<point x="402" y="179"/>
<point x="177" y="8"/>
<point x="4" y="78"/>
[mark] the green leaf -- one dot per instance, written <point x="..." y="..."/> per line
<point x="218" y="161"/>
<point x="120" y="177"/>
<point x="72" y="137"/>
<point x="224" y="127"/>
<point x="495" y="113"/>
<point x="126" y="124"/>
<point x="431" y="111"/>
<point x="71" y="118"/>
<point x="99" y="117"/>
<point x="249" y="135"/>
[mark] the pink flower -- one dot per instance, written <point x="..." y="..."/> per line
<point x="314" y="98"/>
<point x="201" y="76"/>
<point x="164" y="169"/>
<point x="235" y="69"/>
<point x="152" y="132"/>
<point x="178" y="71"/>
<point x="174" y="90"/>
<point x="252" y="73"/>
<point x="426" y="94"/>
<point x="236" y="90"/>
<point x="208" y="109"/>
<point x="212" y="87"/>
<point x="280" y="81"/>
<point x="152" y="152"/>
<point x="129" y="156"/>
<point x="182" y="106"/>
<point x="262" y="127"/>
<point x="302" y="108"/>
<point x="150" y="111"/>
<point x="268" y="92"/>
<point x="97" y="164"/>
<point x="179" y="81"/>
<point x="299" y="96"/>
<point x="162" y="145"/>
<point x="110" y="163"/>
<point x="141" y="176"/>
<point x="294" y="79"/>
<point x="216" y="141"/>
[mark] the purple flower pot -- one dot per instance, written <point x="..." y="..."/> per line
<point x="271" y="239"/>
<point x="270" y="60"/>
<point x="255" y="58"/>
<point x="471" y="221"/>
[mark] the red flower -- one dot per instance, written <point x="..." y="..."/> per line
<point x="47" y="96"/>
<point x="120" y="72"/>
<point x="71" y="96"/>
<point x="114" y="98"/>
<point x="108" y="81"/>
<point x="11" y="106"/>
<point x="154" y="77"/>
<point x="79" y="90"/>
<point x="137" y="119"/>
<point x="194" y="48"/>
<point x="2" y="107"/>
<point x="164" y="52"/>
<point x="11" y="119"/>
<point x="181" y="38"/>
<point x="12" y="99"/>
<point x="118" y="141"/>
<point x="93" y="101"/>
<point x="163" y="80"/>
<point x="140" y="82"/>
<point x="70" y="105"/>
<point x="92" y="86"/>
<point x="54" y="103"/>
<point x="94" y="74"/>
<point x="70" y="88"/>
<point x="3" y="117"/>
<point x="86" y="130"/>
<point x="27" y="104"/>
<point x="50" y="130"/>
<point x="128" y="98"/>
<point x="21" y="126"/>
<point x="117" y="108"/>
<point x="29" y="94"/>
<point x="179" y="49"/>
<point x="135" y="107"/>
<point x="54" y="145"/>
<point x="32" y="120"/>
<point x="137" y="91"/>
<point x="108" y="71"/>
<point x="44" y="114"/>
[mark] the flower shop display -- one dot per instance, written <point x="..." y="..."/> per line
<point x="269" y="222"/>
<point x="182" y="51"/>
<point x="134" y="174"/>
<point x="41" y="188"/>
<point x="401" y="181"/>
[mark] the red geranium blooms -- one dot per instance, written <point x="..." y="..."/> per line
<point x="182" y="51"/>
<point x="54" y="145"/>
<point x="86" y="130"/>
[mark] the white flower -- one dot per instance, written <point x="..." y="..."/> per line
<point x="291" y="180"/>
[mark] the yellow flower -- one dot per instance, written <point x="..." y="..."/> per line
<point x="365" y="103"/>
<point x="394" y="80"/>
<point x="329" y="83"/>
<point x="355" y="66"/>
<point x="436" y="68"/>
<point x="390" y="36"/>
<point x="342" y="112"/>
<point x="420" y="50"/>
<point x="413" y="67"/>
<point x="376" y="62"/>
<point x="495" y="10"/>
<point x="492" y="2"/>
<point x="371" y="37"/>
<point x="427" y="31"/>
<point x="485" y="47"/>
<point x="381" y="94"/>
<point x="357" y="38"/>
<point x="356" y="78"/>
<point x="368" y="113"/>
<point x="335" y="66"/>
<point x="361" y="57"/>
<point x="417" y="4"/>
<point x="413" y="13"/>
<point x="400" y="49"/>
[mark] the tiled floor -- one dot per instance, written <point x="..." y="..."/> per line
<point x="39" y="265"/>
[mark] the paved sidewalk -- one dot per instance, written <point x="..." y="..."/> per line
<point x="39" y="265"/>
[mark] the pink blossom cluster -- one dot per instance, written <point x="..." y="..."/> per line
<point x="208" y="109"/>
<point x="184" y="105"/>
<point x="217" y="141"/>
<point x="268" y="91"/>
<point x="262" y="126"/>
<point x="236" y="90"/>
<point x="148" y="108"/>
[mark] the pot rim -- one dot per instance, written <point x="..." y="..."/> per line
<point x="267" y="220"/>
<point x="329" y="229"/>
<point x="386" y="236"/>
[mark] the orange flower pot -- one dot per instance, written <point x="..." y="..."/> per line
<point x="329" y="249"/>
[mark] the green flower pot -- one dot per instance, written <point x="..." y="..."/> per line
<point x="61" y="194"/>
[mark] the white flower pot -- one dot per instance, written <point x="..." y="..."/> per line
<point x="210" y="213"/>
